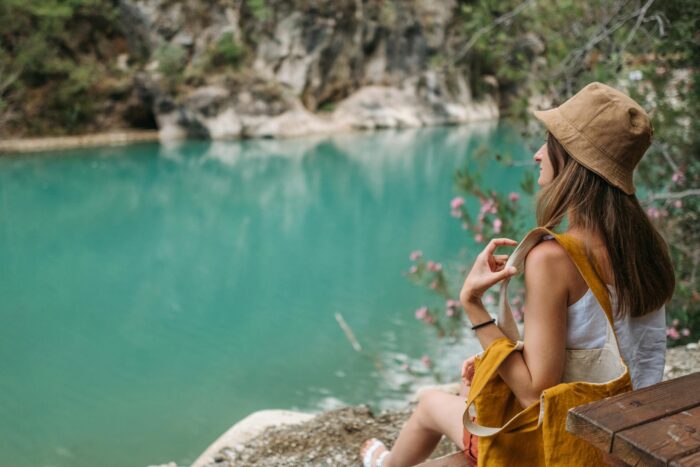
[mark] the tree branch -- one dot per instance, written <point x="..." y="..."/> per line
<point x="504" y="18"/>
<point x="633" y="31"/>
<point x="674" y="195"/>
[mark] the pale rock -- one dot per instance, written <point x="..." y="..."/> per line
<point x="248" y="428"/>
<point x="450" y="388"/>
<point x="226" y="125"/>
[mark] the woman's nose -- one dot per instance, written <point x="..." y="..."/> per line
<point x="538" y="154"/>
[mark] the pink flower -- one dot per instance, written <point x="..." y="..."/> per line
<point x="450" y="312"/>
<point x="653" y="213"/>
<point x="678" y="177"/>
<point x="486" y="206"/>
<point x="675" y="322"/>
<point x="465" y="226"/>
<point x="405" y="367"/>
<point x="457" y="202"/>
<point x="672" y="333"/>
<point x="415" y="255"/>
<point x="434" y="285"/>
<point x="453" y="304"/>
<point x="456" y="213"/>
<point x="478" y="238"/>
<point x="685" y="332"/>
<point x="422" y="312"/>
<point x="426" y="361"/>
<point x="678" y="204"/>
<point x="517" y="300"/>
<point x="514" y="197"/>
<point x="413" y="269"/>
<point x="435" y="267"/>
<point x="497" y="224"/>
<point x="489" y="299"/>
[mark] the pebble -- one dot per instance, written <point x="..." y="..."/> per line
<point x="682" y="360"/>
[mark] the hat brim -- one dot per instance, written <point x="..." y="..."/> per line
<point x="585" y="151"/>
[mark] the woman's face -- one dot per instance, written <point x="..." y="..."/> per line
<point x="546" y="169"/>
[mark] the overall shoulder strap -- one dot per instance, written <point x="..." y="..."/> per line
<point x="578" y="255"/>
<point x="529" y="418"/>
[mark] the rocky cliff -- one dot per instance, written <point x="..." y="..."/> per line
<point x="301" y="67"/>
<point x="255" y="68"/>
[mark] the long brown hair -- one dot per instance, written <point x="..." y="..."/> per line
<point x="641" y="265"/>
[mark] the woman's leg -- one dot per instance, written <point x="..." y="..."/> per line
<point x="437" y="413"/>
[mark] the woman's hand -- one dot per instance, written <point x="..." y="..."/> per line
<point x="468" y="370"/>
<point x="488" y="269"/>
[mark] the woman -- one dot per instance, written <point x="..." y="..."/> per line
<point x="595" y="140"/>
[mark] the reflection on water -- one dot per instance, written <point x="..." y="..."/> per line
<point x="153" y="295"/>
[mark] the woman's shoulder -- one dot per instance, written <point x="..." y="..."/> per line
<point x="549" y="259"/>
<point x="548" y="252"/>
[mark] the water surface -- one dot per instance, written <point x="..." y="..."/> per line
<point x="153" y="295"/>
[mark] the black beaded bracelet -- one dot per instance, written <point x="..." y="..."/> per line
<point x="485" y="323"/>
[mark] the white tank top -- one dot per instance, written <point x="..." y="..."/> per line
<point x="642" y="340"/>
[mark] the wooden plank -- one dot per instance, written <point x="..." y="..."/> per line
<point x="586" y="429"/>
<point x="692" y="460"/>
<point x="597" y="422"/>
<point x="456" y="459"/>
<point x="658" y="442"/>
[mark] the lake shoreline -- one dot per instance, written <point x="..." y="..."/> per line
<point x="334" y="436"/>
<point x="305" y="126"/>
<point x="57" y="143"/>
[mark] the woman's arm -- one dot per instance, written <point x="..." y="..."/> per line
<point x="541" y="363"/>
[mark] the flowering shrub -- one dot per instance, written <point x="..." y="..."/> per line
<point x="499" y="215"/>
<point x="657" y="66"/>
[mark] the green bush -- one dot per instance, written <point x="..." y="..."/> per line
<point x="171" y="58"/>
<point x="259" y="9"/>
<point x="227" y="52"/>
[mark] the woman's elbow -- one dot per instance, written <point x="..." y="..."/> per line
<point x="533" y="393"/>
<point x="527" y="400"/>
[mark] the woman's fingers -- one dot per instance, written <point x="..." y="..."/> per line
<point x="491" y="247"/>
<point x="496" y="242"/>
<point x="497" y="262"/>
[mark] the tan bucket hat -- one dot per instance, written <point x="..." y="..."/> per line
<point x="604" y="130"/>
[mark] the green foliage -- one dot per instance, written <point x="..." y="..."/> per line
<point x="171" y="58"/>
<point x="259" y="9"/>
<point x="69" y="101"/>
<point x="227" y="52"/>
<point x="327" y="107"/>
<point x="40" y="63"/>
<point x="388" y="14"/>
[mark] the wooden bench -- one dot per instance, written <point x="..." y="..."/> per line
<point x="655" y="426"/>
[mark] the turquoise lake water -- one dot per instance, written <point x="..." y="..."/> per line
<point x="154" y="295"/>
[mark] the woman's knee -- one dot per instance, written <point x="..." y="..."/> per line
<point x="441" y="413"/>
<point x="428" y="402"/>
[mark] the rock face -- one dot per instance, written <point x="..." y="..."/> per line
<point x="299" y="67"/>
